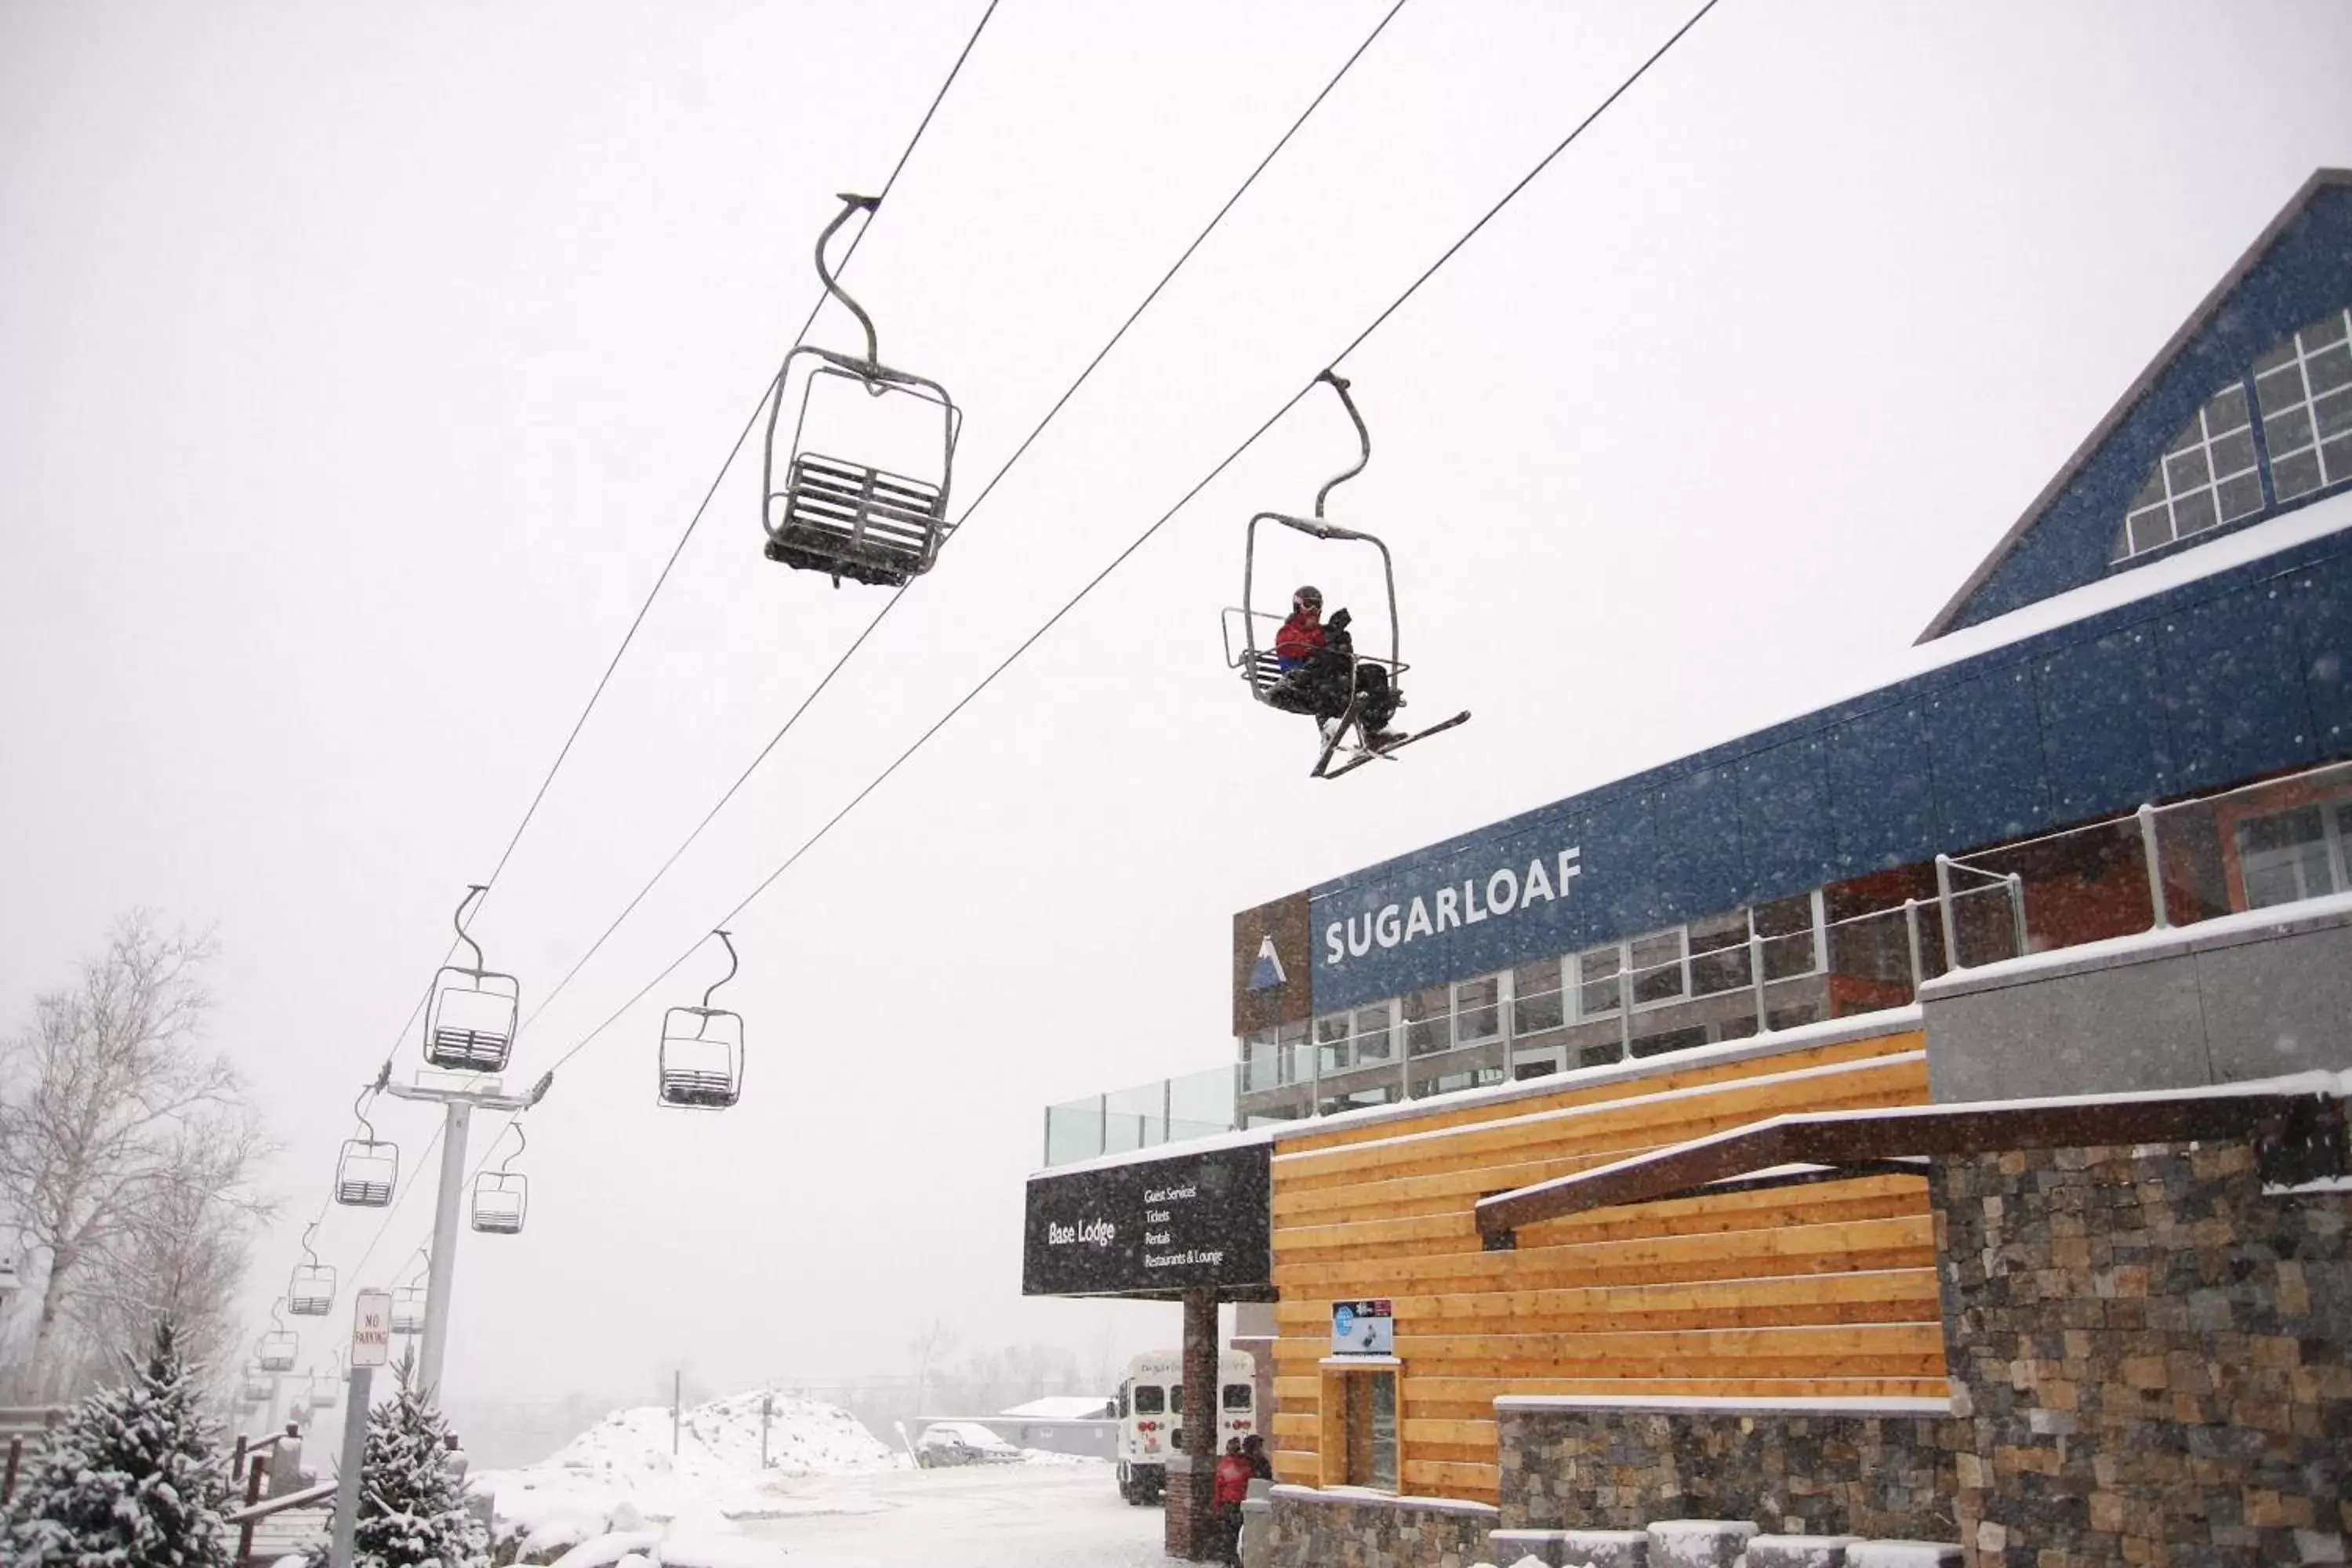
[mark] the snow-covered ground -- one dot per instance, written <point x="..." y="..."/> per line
<point x="1063" y="1514"/>
<point x="616" y="1493"/>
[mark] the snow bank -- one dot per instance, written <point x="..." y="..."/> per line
<point x="619" y="1477"/>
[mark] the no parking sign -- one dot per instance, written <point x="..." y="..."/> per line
<point x="372" y="1329"/>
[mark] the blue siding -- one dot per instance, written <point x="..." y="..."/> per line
<point x="1881" y="790"/>
<point x="2243" y="672"/>
<point x="2319" y="607"/>
<point x="1985" y="736"/>
<point x="2232" y="692"/>
<point x="2103" y="733"/>
<point x="1701" y="864"/>
<point x="1784" y="816"/>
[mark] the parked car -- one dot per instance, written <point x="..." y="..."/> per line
<point x="962" y="1443"/>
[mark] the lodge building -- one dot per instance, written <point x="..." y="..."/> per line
<point x="1923" y="1118"/>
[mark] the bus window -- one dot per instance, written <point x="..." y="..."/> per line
<point x="1237" y="1396"/>
<point x="1147" y="1399"/>
<point x="1122" y="1401"/>
<point x="1176" y="1399"/>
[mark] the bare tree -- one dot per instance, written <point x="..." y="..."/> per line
<point x="126" y="1152"/>
<point x="930" y="1350"/>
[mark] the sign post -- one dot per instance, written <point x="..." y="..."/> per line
<point x="371" y="1348"/>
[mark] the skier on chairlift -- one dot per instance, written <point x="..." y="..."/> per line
<point x="1322" y="677"/>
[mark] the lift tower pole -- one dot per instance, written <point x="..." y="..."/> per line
<point x="458" y="1102"/>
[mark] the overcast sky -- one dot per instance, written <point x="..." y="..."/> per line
<point x="361" y="366"/>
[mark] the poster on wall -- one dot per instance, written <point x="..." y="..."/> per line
<point x="1152" y="1228"/>
<point x="1363" y="1328"/>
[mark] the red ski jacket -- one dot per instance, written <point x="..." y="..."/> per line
<point x="1233" y="1479"/>
<point x="1297" y="639"/>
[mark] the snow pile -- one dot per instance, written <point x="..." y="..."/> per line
<point x="686" y="1544"/>
<point x="620" y="1474"/>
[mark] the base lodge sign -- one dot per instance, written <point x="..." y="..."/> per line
<point x="1152" y="1227"/>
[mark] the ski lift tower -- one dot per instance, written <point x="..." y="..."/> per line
<point x="458" y="1102"/>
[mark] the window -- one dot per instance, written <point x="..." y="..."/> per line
<point x="1536" y="998"/>
<point x="2295" y="855"/>
<point x="2304" y="385"/>
<point x="1597" y="971"/>
<point x="1657" y="966"/>
<point x="1380" y="1094"/>
<point x="1719" y="950"/>
<point x="2206" y="477"/>
<point x="1429" y="1021"/>
<point x="1477" y="1009"/>
<point x="1791" y="940"/>
<point x="1237" y="1396"/>
<point x="1176" y="1399"/>
<point x="1331" y="1039"/>
<point x="1150" y="1400"/>
<point x="1372" y="1032"/>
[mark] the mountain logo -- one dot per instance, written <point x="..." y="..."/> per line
<point x="1267" y="974"/>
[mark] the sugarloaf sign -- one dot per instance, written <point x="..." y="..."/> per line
<point x="1152" y="1227"/>
<point x="1427" y="912"/>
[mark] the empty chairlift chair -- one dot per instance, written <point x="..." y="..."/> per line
<point x="1295" y="691"/>
<point x="470" y="1026"/>
<point x="311" y="1294"/>
<point x="408" y="1301"/>
<point x="864" y="492"/>
<point x="501" y="1196"/>
<point x="701" y="1062"/>
<point x="368" y="1168"/>
<point x="277" y="1347"/>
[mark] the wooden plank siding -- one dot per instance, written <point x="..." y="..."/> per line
<point x="1827" y="1289"/>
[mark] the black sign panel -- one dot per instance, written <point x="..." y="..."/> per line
<point x="1154" y="1227"/>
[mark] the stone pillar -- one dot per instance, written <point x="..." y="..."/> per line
<point x="1191" y="1525"/>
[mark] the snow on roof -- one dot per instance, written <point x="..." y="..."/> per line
<point x="1063" y="1407"/>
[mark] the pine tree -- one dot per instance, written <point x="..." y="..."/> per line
<point x="132" y="1480"/>
<point x="412" y="1509"/>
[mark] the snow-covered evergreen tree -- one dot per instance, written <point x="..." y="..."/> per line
<point x="411" y="1503"/>
<point x="130" y="1481"/>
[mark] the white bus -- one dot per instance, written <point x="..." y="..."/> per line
<point x="1151" y="1415"/>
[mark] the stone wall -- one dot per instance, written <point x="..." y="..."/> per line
<point x="1349" y="1529"/>
<point x="1794" y="1466"/>
<point x="2154" y="1356"/>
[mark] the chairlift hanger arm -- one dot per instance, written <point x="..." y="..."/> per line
<point x="473" y="891"/>
<point x="850" y="203"/>
<point x="1364" y="436"/>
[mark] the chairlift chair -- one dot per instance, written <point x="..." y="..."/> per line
<point x="1260" y="667"/>
<point x="501" y="1196"/>
<point x="840" y="511"/>
<point x="701" y="1062"/>
<point x="408" y="1301"/>
<point x="470" y="1026"/>
<point x="311" y="1292"/>
<point x="368" y="1169"/>
<point x="278" y="1346"/>
<point x="257" y="1388"/>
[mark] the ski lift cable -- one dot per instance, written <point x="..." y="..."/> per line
<point x="1128" y="553"/>
<point x="1020" y="451"/>
<point x="734" y="451"/>
<point x="1145" y="537"/>
<point x="662" y="578"/>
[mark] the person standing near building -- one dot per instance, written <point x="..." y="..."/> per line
<point x="1229" y="1488"/>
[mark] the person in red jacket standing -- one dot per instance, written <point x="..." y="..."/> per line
<point x="1229" y="1488"/>
<point x="1321" y="674"/>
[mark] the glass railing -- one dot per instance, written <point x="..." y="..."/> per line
<point x="1165" y="1111"/>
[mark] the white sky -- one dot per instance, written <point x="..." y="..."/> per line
<point x="363" y="366"/>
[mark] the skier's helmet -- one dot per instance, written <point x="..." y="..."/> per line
<point x="1307" y="595"/>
